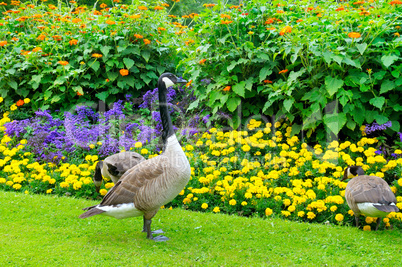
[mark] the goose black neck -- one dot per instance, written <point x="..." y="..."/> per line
<point x="165" y="116"/>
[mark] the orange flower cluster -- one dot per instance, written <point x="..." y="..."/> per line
<point x="209" y="5"/>
<point x="286" y="29"/>
<point x="96" y="55"/>
<point x="110" y="22"/>
<point x="142" y="8"/>
<point x="267" y="81"/>
<point x="187" y="43"/>
<point x="73" y="42"/>
<point x="146" y="41"/>
<point x="20" y="103"/>
<point x="138" y="36"/>
<point x="123" y="72"/>
<point x="225" y="16"/>
<point x="225" y="22"/>
<point x="340" y="8"/>
<point x="396" y="2"/>
<point x="354" y="35"/>
<point x="63" y="63"/>
<point x="283" y="71"/>
<point x="158" y="8"/>
<point x="202" y="61"/>
<point x="57" y="38"/>
<point x="227" y="88"/>
<point x="3" y="43"/>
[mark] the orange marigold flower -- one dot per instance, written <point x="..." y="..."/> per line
<point x="20" y="102"/>
<point x="269" y="21"/>
<point x="57" y="37"/>
<point x="138" y="36"/>
<point x="166" y="5"/>
<point x="161" y="29"/>
<point x="283" y="71"/>
<point x="267" y="81"/>
<point x="76" y="20"/>
<point x="225" y="16"/>
<point x="146" y="41"/>
<point x="158" y="8"/>
<point x="397" y="2"/>
<point x="202" y="61"/>
<point x="3" y="43"/>
<point x="299" y="20"/>
<point x="340" y="8"/>
<point x="397" y="34"/>
<point x="280" y="11"/>
<point x="3" y="4"/>
<point x="227" y="88"/>
<point x="37" y="49"/>
<point x="189" y="83"/>
<point x="124" y="72"/>
<point x="64" y="63"/>
<point x="354" y="35"/>
<point x="103" y="5"/>
<point x="95" y="55"/>
<point x="73" y="42"/>
<point x="286" y="29"/>
<point x="224" y="22"/>
<point x="79" y="94"/>
<point x="142" y="8"/>
<point x="209" y="5"/>
<point x="110" y="22"/>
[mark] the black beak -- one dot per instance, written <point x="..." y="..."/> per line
<point x="180" y="80"/>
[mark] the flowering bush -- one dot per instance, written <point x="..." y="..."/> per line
<point x="66" y="54"/>
<point x="331" y="66"/>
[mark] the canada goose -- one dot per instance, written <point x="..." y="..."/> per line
<point x="369" y="195"/>
<point x="115" y="166"/>
<point x="143" y="189"/>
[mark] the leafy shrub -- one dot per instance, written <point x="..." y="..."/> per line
<point x="58" y="56"/>
<point x="331" y="66"/>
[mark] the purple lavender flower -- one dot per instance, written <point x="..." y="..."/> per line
<point x="376" y="127"/>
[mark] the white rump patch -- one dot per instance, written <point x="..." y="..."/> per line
<point x="121" y="211"/>
<point x="168" y="82"/>
<point x="368" y="209"/>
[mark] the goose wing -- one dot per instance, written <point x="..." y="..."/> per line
<point x="133" y="180"/>
<point x="371" y="189"/>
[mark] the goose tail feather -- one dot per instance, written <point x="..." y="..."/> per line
<point x="92" y="212"/>
<point x="387" y="208"/>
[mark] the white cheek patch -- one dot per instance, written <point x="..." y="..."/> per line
<point x="168" y="82"/>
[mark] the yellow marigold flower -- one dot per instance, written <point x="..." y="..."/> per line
<point x="27" y="100"/>
<point x="49" y="191"/>
<point x="244" y="203"/>
<point x="186" y="201"/>
<point x="102" y="192"/>
<point x="232" y="202"/>
<point x="109" y="185"/>
<point x="339" y="217"/>
<point x="204" y="206"/>
<point x="268" y="212"/>
<point x="367" y="228"/>
<point x="310" y="215"/>
<point x="248" y="195"/>
<point x="216" y="210"/>
<point x="138" y="144"/>
<point x="291" y="208"/>
<point x="17" y="186"/>
<point x="144" y="151"/>
<point x="369" y="220"/>
<point x="301" y="214"/>
<point x="91" y="146"/>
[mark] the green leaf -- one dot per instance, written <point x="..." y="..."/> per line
<point x="95" y="65"/>
<point x="239" y="88"/>
<point x="128" y="62"/>
<point x="13" y="84"/>
<point x="351" y="125"/>
<point x="233" y="103"/>
<point x="361" y="47"/>
<point x="102" y="96"/>
<point x="387" y="86"/>
<point x="396" y="126"/>
<point x="47" y="95"/>
<point x="332" y="85"/>
<point x="193" y="105"/>
<point x="105" y="50"/>
<point x="112" y="75"/>
<point x="146" y="55"/>
<point x="264" y="72"/>
<point x="231" y="66"/>
<point x="55" y="99"/>
<point x="381" y="119"/>
<point x="294" y="75"/>
<point x="388" y="60"/>
<point x="287" y="104"/>
<point x="335" y="121"/>
<point x="377" y="101"/>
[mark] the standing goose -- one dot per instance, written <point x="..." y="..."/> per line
<point x="143" y="189"/>
<point x="114" y="166"/>
<point x="369" y="195"/>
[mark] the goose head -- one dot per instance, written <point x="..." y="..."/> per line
<point x="169" y="79"/>
<point x="98" y="176"/>
<point x="352" y="171"/>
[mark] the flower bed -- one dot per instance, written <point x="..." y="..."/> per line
<point x="261" y="171"/>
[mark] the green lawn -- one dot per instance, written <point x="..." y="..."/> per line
<point x="44" y="230"/>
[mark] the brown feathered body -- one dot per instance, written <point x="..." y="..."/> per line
<point x="146" y="187"/>
<point x="371" y="196"/>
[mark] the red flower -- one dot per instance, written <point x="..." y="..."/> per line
<point x="20" y="102"/>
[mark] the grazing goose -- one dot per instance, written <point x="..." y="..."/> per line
<point x="143" y="189"/>
<point x="115" y="166"/>
<point x="369" y="195"/>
